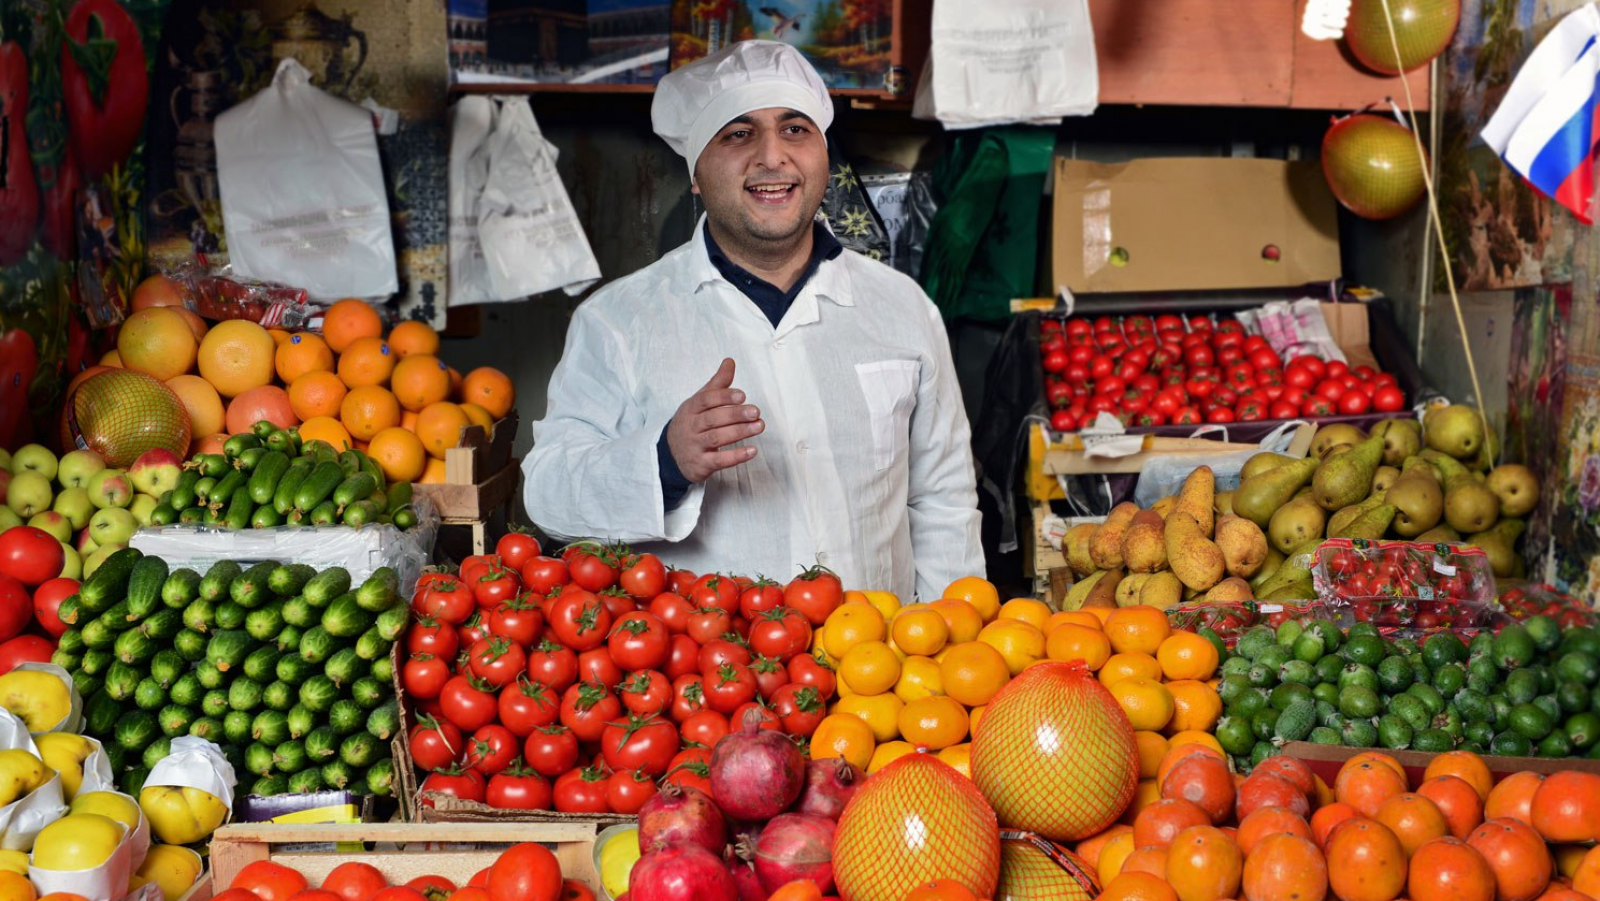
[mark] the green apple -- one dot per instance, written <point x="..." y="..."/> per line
<point x="8" y="518"/>
<point x="110" y="488"/>
<point x="71" y="563"/>
<point x="5" y="459"/>
<point x="74" y="504"/>
<point x="99" y="556"/>
<point x="113" y="525"/>
<point x="35" y="457"/>
<point x="52" y="522"/>
<point x="78" y="467"/>
<point x="143" y="505"/>
<point x="30" y="493"/>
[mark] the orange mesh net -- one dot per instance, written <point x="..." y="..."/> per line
<point x="123" y="413"/>
<point x="1032" y="868"/>
<point x="1055" y="754"/>
<point x="915" y="820"/>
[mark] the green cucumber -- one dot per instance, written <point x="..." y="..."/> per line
<point x="228" y="649"/>
<point x="213" y="466"/>
<point x="133" y="647"/>
<point x="192" y="516"/>
<point x="230" y="616"/>
<point x="317" y="486"/>
<point x="167" y="667"/>
<point x="264" y="478"/>
<point x="265" y="623"/>
<point x="240" y="443"/>
<point x="278" y="696"/>
<point x="70" y="611"/>
<point x="97" y="634"/>
<point x="290" y="579"/>
<point x="380" y="591"/>
<point x="284" y="442"/>
<point x="214" y="587"/>
<point x="325" y="514"/>
<point x="109" y="584"/>
<point x="359" y="514"/>
<point x="354" y="488"/>
<point x="320" y="591"/>
<point x="144" y="586"/>
<point x="239" y="510"/>
<point x="350" y="462"/>
<point x="299" y="612"/>
<point x="265" y="518"/>
<point x="399" y="495"/>
<point x="250" y="459"/>
<point x="183" y="492"/>
<point x="251" y="590"/>
<point x="392" y="623"/>
<point x="191" y="645"/>
<point x="344" y="618"/>
<point x="200" y="615"/>
<point x="289" y="485"/>
<point x="163" y="515"/>
<point x="372" y="645"/>
<point x="406" y="518"/>
<point x="221" y="493"/>
<point x="181" y="589"/>
<point x="294" y="669"/>
<point x="262" y="664"/>
<point x="163" y="625"/>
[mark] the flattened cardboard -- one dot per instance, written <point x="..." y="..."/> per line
<point x="1347" y="323"/>
<point x="1183" y="224"/>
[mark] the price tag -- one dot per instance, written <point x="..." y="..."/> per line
<point x="1443" y="568"/>
<point x="1271" y="608"/>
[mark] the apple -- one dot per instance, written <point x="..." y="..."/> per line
<point x="93" y="561"/>
<point x="113" y="525"/>
<point x="78" y="467"/>
<point x="52" y="522"/>
<point x="74" y="504"/>
<point x="71" y="562"/>
<point x="5" y="483"/>
<point x="35" y="457"/>
<point x="110" y="488"/>
<point x="156" y="471"/>
<point x="86" y="543"/>
<point x="143" y="505"/>
<point x="30" y="493"/>
<point x="5" y="459"/>
<point x="8" y="518"/>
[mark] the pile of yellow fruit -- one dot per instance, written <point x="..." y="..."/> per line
<point x="920" y="676"/>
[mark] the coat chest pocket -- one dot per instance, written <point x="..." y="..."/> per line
<point x="890" y="389"/>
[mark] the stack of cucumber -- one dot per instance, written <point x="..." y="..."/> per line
<point x="266" y="477"/>
<point x="284" y="667"/>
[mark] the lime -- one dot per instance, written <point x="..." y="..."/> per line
<point x="1531" y="722"/>
<point x="1309" y="647"/>
<point x="1450" y="678"/>
<point x="1367" y="649"/>
<point x="1443" y="647"/>
<point x="1358" y="674"/>
<point x="1394" y="733"/>
<point x="1298" y="671"/>
<point x="1411" y="709"/>
<point x="1360" y="734"/>
<point x="1544" y="631"/>
<point x="1395" y="675"/>
<point x="1288" y="632"/>
<point x="1322" y="735"/>
<point x="1235" y="735"/>
<point x="1522" y="686"/>
<point x="1556" y="744"/>
<point x="1513" y="647"/>
<point x="1572" y="697"/>
<point x="1359" y="701"/>
<point x="1432" y="741"/>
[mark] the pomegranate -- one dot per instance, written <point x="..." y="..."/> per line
<point x="678" y="815"/>
<point x="796" y="846"/>
<point x="756" y="773"/>
<point x="830" y="784"/>
<point x="681" y="873"/>
<point x="744" y="873"/>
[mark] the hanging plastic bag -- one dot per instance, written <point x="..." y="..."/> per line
<point x="532" y="241"/>
<point x="303" y="195"/>
<point x="471" y="121"/>
<point x="999" y="62"/>
<point x="1163" y="476"/>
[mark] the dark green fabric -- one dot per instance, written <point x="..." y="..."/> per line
<point x="983" y="244"/>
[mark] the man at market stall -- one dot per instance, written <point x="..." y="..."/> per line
<point x="760" y="399"/>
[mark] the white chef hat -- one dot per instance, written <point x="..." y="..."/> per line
<point x="693" y="103"/>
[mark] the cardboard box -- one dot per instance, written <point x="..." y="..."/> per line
<point x="1325" y="761"/>
<point x="1192" y="225"/>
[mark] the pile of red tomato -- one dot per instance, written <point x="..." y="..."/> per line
<point x="1162" y="370"/>
<point x="582" y="682"/>
<point x="31" y="590"/>
<point x="526" y="871"/>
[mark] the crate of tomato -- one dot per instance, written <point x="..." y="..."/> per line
<point x="576" y="685"/>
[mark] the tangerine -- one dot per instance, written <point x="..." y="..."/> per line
<point x="919" y="632"/>
<point x="1413" y="819"/>
<point x="1035" y="613"/>
<point x="16" y="887"/>
<point x="367" y="361"/>
<point x="1370" y="864"/>
<point x="414" y="337"/>
<point x="980" y="593"/>
<point x="1089" y="849"/>
<point x="870" y="667"/>
<point x="919" y="678"/>
<point x="1152" y="748"/>
<point x="1073" y="617"/>
<point x="961" y="619"/>
<point x="1517" y="855"/>
<point x="1203" y="864"/>
<point x="1284" y="866"/>
<point x="1367" y="785"/>
<point x="849" y="625"/>
<point x="1019" y="643"/>
<point x="157" y="340"/>
<point x="1586" y="878"/>
<point x="1194" y="736"/>
<point x="1448" y="869"/>
<point x="267" y="402"/>
<point x="841" y="735"/>
<point x="1160" y="823"/>
<point x="973" y="672"/>
<point x="1457" y="800"/>
<point x="888" y="752"/>
<point x="1464" y="765"/>
<point x="399" y="453"/>
<point x="206" y="415"/>
<point x="1196" y="706"/>
<point x="881" y="713"/>
<point x="1185" y="655"/>
<point x="420" y="380"/>
<point x="316" y="394"/>
<point x="1113" y="854"/>
<point x="111" y="358"/>
<point x="1513" y="797"/>
<point x="1137" y="630"/>
<point x="1566" y="808"/>
<point x="1152" y="860"/>
<point x="1071" y="641"/>
<point x="235" y="356"/>
<point x="490" y="389"/>
<point x="959" y="757"/>
<point x="933" y="722"/>
<point x="348" y="320"/>
<point x="476" y="415"/>
<point x="1204" y="780"/>
<point x="1137" y="887"/>
<point x="439" y="426"/>
<point x="1265" y="821"/>
<point x="304" y="352"/>
<point x="1147" y="703"/>
<point x="433" y="473"/>
<point x="1129" y="666"/>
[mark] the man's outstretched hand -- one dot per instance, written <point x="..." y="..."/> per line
<point x="710" y="420"/>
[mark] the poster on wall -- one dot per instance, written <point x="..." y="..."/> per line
<point x="1500" y="232"/>
<point x="72" y="157"/>
<point x="562" y="41"/>
<point x="1541" y="318"/>
<point x="217" y="53"/>
<point x="850" y="42"/>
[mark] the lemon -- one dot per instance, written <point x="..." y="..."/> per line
<point x="172" y="867"/>
<point x="14" y="862"/>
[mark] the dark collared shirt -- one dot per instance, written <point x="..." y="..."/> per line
<point x="771" y="301"/>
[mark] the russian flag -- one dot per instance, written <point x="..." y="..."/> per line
<point x="1546" y="128"/>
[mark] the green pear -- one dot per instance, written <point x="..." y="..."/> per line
<point x="1262" y="462"/>
<point x="1383" y="478"/>
<point x="1347" y="478"/>
<point x="1517" y="488"/>
<point x="1341" y="519"/>
<point x="1500" y="543"/>
<point x="1417" y="499"/>
<point x="1296" y="523"/>
<point x="1330" y="436"/>
<point x="1371" y="524"/>
<point x="1456" y="430"/>
<point x="1401" y="439"/>
<point x="1469" y="505"/>
<point x="1440" y="534"/>
<point x="1259" y="497"/>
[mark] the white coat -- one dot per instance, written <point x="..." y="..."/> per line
<point x="865" y="465"/>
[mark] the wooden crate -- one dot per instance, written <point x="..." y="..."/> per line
<point x="402" y="852"/>
<point x="480" y="478"/>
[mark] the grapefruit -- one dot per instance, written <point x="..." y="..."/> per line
<point x="158" y="341"/>
<point x="202" y="402"/>
<point x="268" y="402"/>
<point x="237" y="355"/>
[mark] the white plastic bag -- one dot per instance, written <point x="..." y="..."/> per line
<point x="1294" y="329"/>
<point x="21" y="820"/>
<point x="996" y="62"/>
<point x="303" y="195"/>
<point x="471" y="121"/>
<point x="532" y="241"/>
<point x="1163" y="476"/>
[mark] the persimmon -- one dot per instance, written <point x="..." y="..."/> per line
<point x="1449" y="869"/>
<point x="1367" y="785"/>
<point x="1369" y="863"/>
<point x="1285" y="867"/>
<point x="1457" y="800"/>
<point x="1267" y="821"/>
<point x="1517" y="855"/>
<point x="1203" y="864"/>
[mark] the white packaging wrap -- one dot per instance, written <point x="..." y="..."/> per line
<point x="21" y="820"/>
<point x="303" y="196"/>
<point x="531" y="238"/>
<point x="109" y="881"/>
<point x="74" y="715"/>
<point x="471" y="121"/>
<point x="998" y="62"/>
<point x="196" y="763"/>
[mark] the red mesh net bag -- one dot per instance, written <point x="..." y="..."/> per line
<point x="1033" y="868"/>
<point x="122" y="413"/>
<point x="1055" y="754"/>
<point x="915" y="820"/>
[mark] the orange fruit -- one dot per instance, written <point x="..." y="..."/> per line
<point x="202" y="402"/>
<point x="1147" y="703"/>
<point x="478" y="416"/>
<point x="326" y="428"/>
<point x="919" y="632"/>
<point x="1074" y="617"/>
<point x="1152" y="860"/>
<point x="1089" y="849"/>
<point x="1513" y="797"/>
<point x="849" y="625"/>
<point x="1137" y="887"/>
<point x="197" y="326"/>
<point x="278" y="335"/>
<point x="156" y="291"/>
<point x="1566" y="808"/>
<point x="368" y="410"/>
<point x="1366" y="786"/>
<point x="1035" y="613"/>
<point x="1196" y="706"/>
<point x="433" y="473"/>
<point x="235" y="356"/>
<point x="1185" y="655"/>
<point x="348" y="320"/>
<point x="1284" y="867"/>
<point x="1457" y="800"/>
<point x="399" y="453"/>
<point x="1193" y="736"/>
<point x="16" y="887"/>
<point x="1464" y="765"/>
<point x="888" y="752"/>
<point x="1203" y="864"/>
<point x="1369" y="862"/>
<point x="1587" y="877"/>
<point x="843" y="735"/>
<point x="933" y="722"/>
<point x="303" y="352"/>
<point x="1070" y="641"/>
<point x="1204" y="780"/>
<point x="268" y="402"/>
<point x="959" y="756"/>
<point x="158" y="341"/>
<point x="1517" y="855"/>
<point x="1129" y="666"/>
<point x="439" y="426"/>
<point x="1327" y="818"/>
<point x="316" y="393"/>
<point x="961" y="619"/>
<point x="1019" y="644"/>
<point x="490" y="389"/>
<point x="367" y="361"/>
<point x="1267" y="821"/>
<point x="1152" y="747"/>
<point x="1145" y="793"/>
<point x="62" y="896"/>
<point x="1448" y="869"/>
<point x="973" y="672"/>
<point x="980" y="593"/>
<point x="413" y="337"/>
<point x="420" y="380"/>
<point x="870" y="668"/>
<point x="1137" y="630"/>
<point x="1113" y="854"/>
<point x="1414" y="820"/>
<point x="919" y="678"/>
<point x="1161" y="821"/>
<point x="1559" y="892"/>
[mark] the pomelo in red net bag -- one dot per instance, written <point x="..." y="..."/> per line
<point x="913" y="821"/>
<point x="1033" y="868"/>
<point x="1055" y="753"/>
